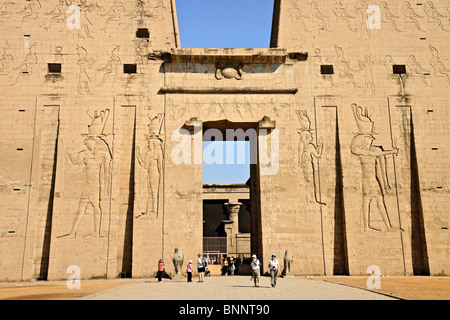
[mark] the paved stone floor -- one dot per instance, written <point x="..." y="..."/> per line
<point x="236" y="288"/>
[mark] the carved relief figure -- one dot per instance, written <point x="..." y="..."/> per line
<point x="344" y="68"/>
<point x="152" y="161"/>
<point x="309" y="154"/>
<point x="6" y="60"/>
<point x="6" y="9"/>
<point x="296" y="14"/>
<point x="410" y="15"/>
<point x="373" y="166"/>
<point x="112" y="66"/>
<point x="433" y="15"/>
<point x="138" y="11"/>
<point x="341" y="14"/>
<point x="366" y="67"/>
<point x="363" y="16"/>
<point x="85" y="21"/>
<point x="58" y="14"/>
<point x="96" y="160"/>
<point x="416" y="69"/>
<point x="157" y="11"/>
<point x="388" y="65"/>
<point x="84" y="63"/>
<point x="387" y="16"/>
<point x="30" y="11"/>
<point x="28" y="63"/>
<point x="439" y="69"/>
<point x="318" y="16"/>
<point x="115" y="13"/>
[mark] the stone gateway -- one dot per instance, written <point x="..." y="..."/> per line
<point x="103" y="122"/>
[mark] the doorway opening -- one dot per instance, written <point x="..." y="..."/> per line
<point x="230" y="195"/>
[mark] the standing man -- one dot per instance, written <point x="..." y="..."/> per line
<point x="255" y="270"/>
<point x="274" y="265"/>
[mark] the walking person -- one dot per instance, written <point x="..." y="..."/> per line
<point x="201" y="268"/>
<point x="189" y="270"/>
<point x="161" y="265"/>
<point x="274" y="265"/>
<point x="255" y="270"/>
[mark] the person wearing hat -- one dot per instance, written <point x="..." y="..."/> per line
<point x="189" y="271"/>
<point x="274" y="265"/>
<point x="255" y="270"/>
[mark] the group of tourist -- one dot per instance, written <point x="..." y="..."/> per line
<point x="274" y="266"/>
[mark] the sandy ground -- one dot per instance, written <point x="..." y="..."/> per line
<point x="415" y="288"/>
<point x="411" y="288"/>
<point x="56" y="290"/>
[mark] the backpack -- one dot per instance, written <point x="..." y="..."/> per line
<point x="205" y="264"/>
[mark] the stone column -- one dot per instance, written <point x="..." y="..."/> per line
<point x="233" y="228"/>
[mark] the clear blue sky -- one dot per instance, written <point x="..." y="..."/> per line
<point x="225" y="24"/>
<point x="218" y="169"/>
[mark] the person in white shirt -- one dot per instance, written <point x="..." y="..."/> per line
<point x="274" y="265"/>
<point x="200" y="268"/>
<point x="255" y="270"/>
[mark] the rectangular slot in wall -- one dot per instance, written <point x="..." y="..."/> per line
<point x="143" y="33"/>
<point x="54" y="68"/>
<point x="399" y="69"/>
<point x="326" y="69"/>
<point x="130" y="68"/>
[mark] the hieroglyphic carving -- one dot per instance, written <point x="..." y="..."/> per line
<point x="433" y="15"/>
<point x="344" y="68"/>
<point x="112" y="66"/>
<point x="30" y="11"/>
<point x="317" y="16"/>
<point x="417" y="70"/>
<point x="375" y="182"/>
<point x="388" y="65"/>
<point x="114" y="14"/>
<point x="58" y="14"/>
<point x="138" y="11"/>
<point x="341" y="14"/>
<point x="297" y="14"/>
<point x="84" y="63"/>
<point x="85" y="21"/>
<point x="96" y="163"/>
<point x="26" y="67"/>
<point x="153" y="161"/>
<point x="410" y="15"/>
<point x="366" y="67"/>
<point x="6" y="61"/>
<point x="309" y="155"/>
<point x="387" y="16"/>
<point x="439" y="68"/>
<point x="5" y="9"/>
<point x="363" y="18"/>
<point x="229" y="73"/>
